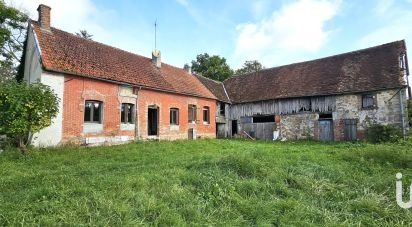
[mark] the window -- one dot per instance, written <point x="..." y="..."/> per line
<point x="222" y="109"/>
<point x="93" y="112"/>
<point x="127" y="115"/>
<point x="368" y="101"/>
<point x="192" y="113"/>
<point x="206" y="118"/>
<point x="264" y="119"/>
<point x="174" y="116"/>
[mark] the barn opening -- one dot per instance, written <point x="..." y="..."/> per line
<point x="264" y="119"/>
<point x="234" y="127"/>
<point x="325" y="127"/>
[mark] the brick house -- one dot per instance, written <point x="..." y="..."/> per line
<point x="110" y="95"/>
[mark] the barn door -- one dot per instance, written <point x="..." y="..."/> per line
<point x="325" y="130"/>
<point x="350" y="129"/>
<point x="220" y="130"/>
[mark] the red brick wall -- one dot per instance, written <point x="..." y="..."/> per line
<point x="165" y="101"/>
<point x="77" y="90"/>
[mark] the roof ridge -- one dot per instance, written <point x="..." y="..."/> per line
<point x="92" y="41"/>
<point x="109" y="46"/>
<point x="207" y="78"/>
<point x="322" y="58"/>
<point x="138" y="71"/>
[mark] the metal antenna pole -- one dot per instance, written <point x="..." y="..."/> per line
<point x="155" y="24"/>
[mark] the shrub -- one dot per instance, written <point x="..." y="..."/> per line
<point x="26" y="109"/>
<point x="378" y="133"/>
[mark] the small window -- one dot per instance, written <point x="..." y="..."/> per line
<point x="93" y="112"/>
<point x="222" y="109"/>
<point x="368" y="101"/>
<point x="174" y="116"/>
<point x="127" y="115"/>
<point x="192" y="113"/>
<point x="264" y="119"/>
<point x="206" y="118"/>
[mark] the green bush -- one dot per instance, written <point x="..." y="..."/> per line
<point x="25" y="109"/>
<point x="378" y="133"/>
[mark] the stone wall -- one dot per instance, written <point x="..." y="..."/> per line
<point x="298" y="126"/>
<point x="387" y="111"/>
<point x="305" y="125"/>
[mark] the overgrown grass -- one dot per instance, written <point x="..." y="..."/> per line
<point x="206" y="182"/>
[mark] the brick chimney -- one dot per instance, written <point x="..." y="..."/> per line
<point x="44" y="16"/>
<point x="156" y="58"/>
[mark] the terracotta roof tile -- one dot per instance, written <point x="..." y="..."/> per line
<point x="216" y="87"/>
<point x="64" y="52"/>
<point x="369" y="69"/>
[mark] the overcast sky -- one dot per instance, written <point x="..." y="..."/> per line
<point x="272" y="32"/>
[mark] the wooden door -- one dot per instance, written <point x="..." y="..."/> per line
<point x="350" y="129"/>
<point x="325" y="130"/>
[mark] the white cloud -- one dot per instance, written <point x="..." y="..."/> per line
<point x="398" y="19"/>
<point x="192" y="11"/>
<point x="383" y="6"/>
<point x="259" y="8"/>
<point x="70" y="16"/>
<point x="297" y="28"/>
<point x="75" y="15"/>
<point x="396" y="27"/>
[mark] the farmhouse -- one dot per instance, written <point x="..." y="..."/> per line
<point x="110" y="95"/>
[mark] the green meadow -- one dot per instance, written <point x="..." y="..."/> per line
<point x="206" y="182"/>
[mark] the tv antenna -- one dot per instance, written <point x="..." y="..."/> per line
<point x="155" y="27"/>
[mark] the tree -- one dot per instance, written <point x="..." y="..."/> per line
<point x="213" y="67"/>
<point x="84" y="34"/>
<point x="13" y="24"/>
<point x="26" y="109"/>
<point x="249" y="67"/>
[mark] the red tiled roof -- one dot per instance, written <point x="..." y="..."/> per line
<point x="216" y="87"/>
<point x="370" y="69"/>
<point x="64" y="52"/>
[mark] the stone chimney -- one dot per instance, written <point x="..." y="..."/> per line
<point x="156" y="58"/>
<point x="187" y="68"/>
<point x="44" y="16"/>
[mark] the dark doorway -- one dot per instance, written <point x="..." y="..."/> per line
<point x="325" y="130"/>
<point x="234" y="127"/>
<point x="264" y="119"/>
<point x="152" y="121"/>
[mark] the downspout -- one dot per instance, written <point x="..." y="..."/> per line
<point x="137" y="128"/>
<point x="402" y="114"/>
